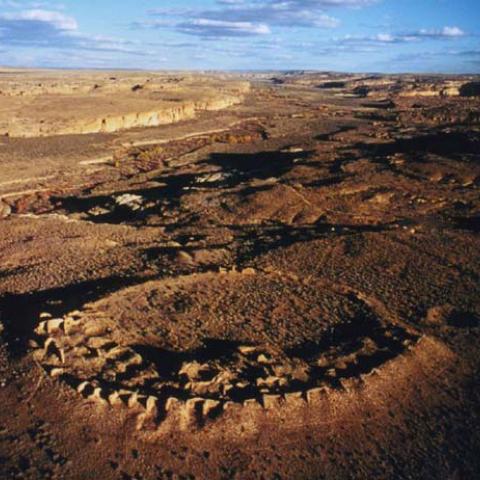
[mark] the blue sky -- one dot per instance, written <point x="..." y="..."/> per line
<point x="342" y="35"/>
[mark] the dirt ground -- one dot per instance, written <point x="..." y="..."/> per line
<point x="287" y="288"/>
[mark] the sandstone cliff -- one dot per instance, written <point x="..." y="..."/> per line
<point x="106" y="106"/>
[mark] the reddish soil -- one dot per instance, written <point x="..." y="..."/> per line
<point x="284" y="290"/>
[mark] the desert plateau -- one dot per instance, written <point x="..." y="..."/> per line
<point x="246" y="275"/>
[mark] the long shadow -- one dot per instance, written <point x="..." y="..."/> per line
<point x="456" y="144"/>
<point x="168" y="362"/>
<point x="471" y="224"/>
<point x="235" y="167"/>
<point x="380" y="115"/>
<point x="170" y="193"/>
<point x="20" y="312"/>
<point x="380" y="104"/>
<point x="324" y="137"/>
<point x="256" y="240"/>
<point x="326" y="182"/>
<point x="261" y="165"/>
<point x="332" y="85"/>
<point x="347" y="338"/>
<point x="247" y="191"/>
<point x="342" y="340"/>
<point x="461" y="319"/>
<point x="459" y="146"/>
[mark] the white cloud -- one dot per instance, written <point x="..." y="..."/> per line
<point x="263" y="13"/>
<point x="444" y="32"/>
<point x="452" y="32"/>
<point x="39" y="28"/>
<point x="57" y="20"/>
<point x="208" y="27"/>
<point x="385" y="37"/>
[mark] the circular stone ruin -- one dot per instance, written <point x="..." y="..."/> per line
<point x="208" y="341"/>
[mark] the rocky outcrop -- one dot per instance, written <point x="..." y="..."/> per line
<point x="113" y="123"/>
<point x="153" y="118"/>
<point x="5" y="210"/>
<point x="450" y="88"/>
<point x="76" y="107"/>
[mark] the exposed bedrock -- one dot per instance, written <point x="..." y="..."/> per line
<point x="109" y="123"/>
<point x="111" y="106"/>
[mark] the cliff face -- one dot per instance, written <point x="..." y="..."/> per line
<point x="153" y="118"/>
<point x="451" y="88"/>
<point x="109" y="107"/>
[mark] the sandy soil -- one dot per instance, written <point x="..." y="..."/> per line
<point x="286" y="288"/>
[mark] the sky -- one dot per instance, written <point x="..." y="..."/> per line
<point x="334" y="35"/>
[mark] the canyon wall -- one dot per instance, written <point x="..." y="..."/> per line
<point x="54" y="108"/>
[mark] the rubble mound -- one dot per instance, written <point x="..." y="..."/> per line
<point x="196" y="344"/>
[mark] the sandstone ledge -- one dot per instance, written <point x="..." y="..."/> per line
<point x="107" y="106"/>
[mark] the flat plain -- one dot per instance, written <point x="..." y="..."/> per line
<point x="249" y="276"/>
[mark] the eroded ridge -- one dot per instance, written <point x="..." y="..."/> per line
<point x="198" y="385"/>
<point x="140" y="101"/>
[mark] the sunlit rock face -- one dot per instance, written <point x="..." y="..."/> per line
<point x="60" y="104"/>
